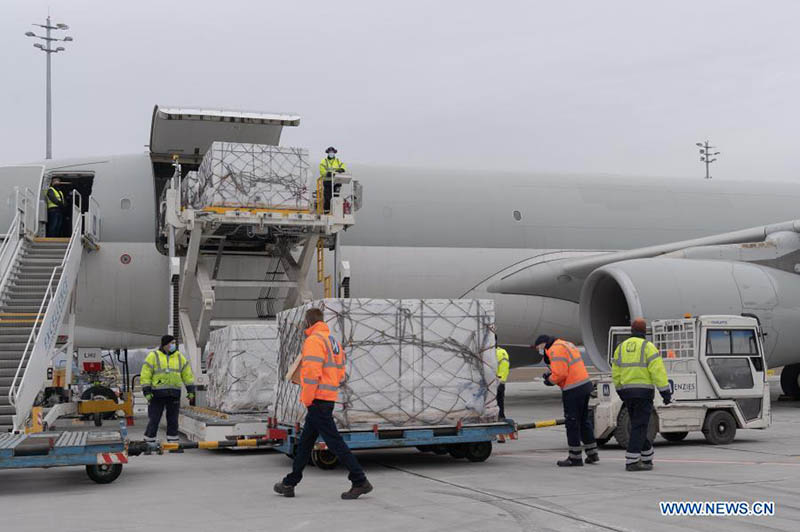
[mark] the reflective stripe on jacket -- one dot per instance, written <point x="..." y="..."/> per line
<point x="323" y="363"/>
<point x="166" y="372"/>
<point x="503" y="364"/>
<point x="59" y="196"/>
<point x="566" y="365"/>
<point x="330" y="165"/>
<point x="638" y="364"/>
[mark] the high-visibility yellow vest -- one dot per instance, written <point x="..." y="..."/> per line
<point x="330" y="165"/>
<point x="58" y="194"/>
<point x="166" y="372"/>
<point x="503" y="364"/>
<point x="637" y="364"/>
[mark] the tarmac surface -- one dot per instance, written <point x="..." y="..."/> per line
<point x="518" y="488"/>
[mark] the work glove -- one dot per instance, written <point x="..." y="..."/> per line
<point x="340" y="170"/>
<point x="191" y="397"/>
<point x="148" y="396"/>
<point x="546" y="378"/>
<point x="666" y="396"/>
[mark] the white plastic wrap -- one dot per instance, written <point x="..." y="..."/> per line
<point x="241" y="367"/>
<point x="250" y="175"/>
<point x="409" y="362"/>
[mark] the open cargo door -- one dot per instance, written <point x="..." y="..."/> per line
<point x="188" y="133"/>
<point x="16" y="176"/>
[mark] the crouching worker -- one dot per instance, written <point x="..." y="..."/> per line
<point x="322" y="370"/>
<point x="569" y="373"/>
<point x="164" y="373"/>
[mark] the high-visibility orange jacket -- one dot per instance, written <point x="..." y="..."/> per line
<point x="323" y="365"/>
<point x="566" y="365"/>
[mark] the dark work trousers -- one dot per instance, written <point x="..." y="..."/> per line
<point x="501" y="399"/>
<point x="319" y="421"/>
<point x="55" y="222"/>
<point x="639" y="404"/>
<point x="155" y="409"/>
<point x="579" y="424"/>
<point x="328" y="190"/>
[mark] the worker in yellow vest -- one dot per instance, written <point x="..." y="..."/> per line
<point x="164" y="373"/>
<point x="55" y="209"/>
<point x="637" y="370"/>
<point x="503" y="368"/>
<point x="329" y="166"/>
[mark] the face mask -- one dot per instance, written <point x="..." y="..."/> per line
<point x="172" y="348"/>
<point x="541" y="351"/>
<point x="331" y="156"/>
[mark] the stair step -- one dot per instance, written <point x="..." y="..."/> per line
<point x="9" y="364"/>
<point x="10" y="357"/>
<point x="7" y="410"/>
<point x="8" y="372"/>
<point x="13" y="347"/>
<point x="21" y="308"/>
<point x="13" y="338"/>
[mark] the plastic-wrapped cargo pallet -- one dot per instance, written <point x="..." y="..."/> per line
<point x="250" y="175"/>
<point x="409" y="362"/>
<point x="241" y="367"/>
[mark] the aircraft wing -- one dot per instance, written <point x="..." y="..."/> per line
<point x="563" y="279"/>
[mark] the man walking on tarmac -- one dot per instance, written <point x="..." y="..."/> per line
<point x="321" y="372"/>
<point x="164" y="372"/>
<point x="569" y="373"/>
<point x="503" y="368"/>
<point x="635" y="369"/>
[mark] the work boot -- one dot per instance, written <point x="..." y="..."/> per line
<point x="639" y="466"/>
<point x="501" y="438"/>
<point x="283" y="489"/>
<point x="570" y="462"/>
<point x="592" y="458"/>
<point x="356" y="491"/>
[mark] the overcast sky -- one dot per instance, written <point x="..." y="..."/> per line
<point x="622" y="87"/>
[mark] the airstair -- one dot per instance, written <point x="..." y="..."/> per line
<point x="36" y="297"/>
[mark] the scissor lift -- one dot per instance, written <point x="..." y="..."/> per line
<point x="199" y="241"/>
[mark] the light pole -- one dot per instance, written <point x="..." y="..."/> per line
<point x="48" y="49"/>
<point x="706" y="155"/>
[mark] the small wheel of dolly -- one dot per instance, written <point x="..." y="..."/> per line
<point x="457" y="450"/>
<point x="324" y="459"/>
<point x="478" y="451"/>
<point x="439" y="449"/>
<point x="104" y="473"/>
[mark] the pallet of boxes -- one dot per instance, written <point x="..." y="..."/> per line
<point x="420" y="373"/>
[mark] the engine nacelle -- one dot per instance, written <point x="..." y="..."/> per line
<point x="670" y="288"/>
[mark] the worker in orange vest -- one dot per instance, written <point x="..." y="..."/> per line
<point x="322" y="370"/>
<point x="569" y="373"/>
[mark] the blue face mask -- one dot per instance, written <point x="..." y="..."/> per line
<point x="171" y="348"/>
<point x="331" y="156"/>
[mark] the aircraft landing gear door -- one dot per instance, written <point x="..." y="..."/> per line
<point x="734" y="362"/>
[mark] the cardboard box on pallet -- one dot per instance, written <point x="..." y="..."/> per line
<point x="250" y="175"/>
<point x="409" y="362"/>
<point x="241" y="367"/>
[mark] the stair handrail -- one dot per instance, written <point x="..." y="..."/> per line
<point x="8" y="251"/>
<point x="53" y="315"/>
<point x="13" y="240"/>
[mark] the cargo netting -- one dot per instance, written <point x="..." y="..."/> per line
<point x="241" y="367"/>
<point x="249" y="175"/>
<point x="408" y="362"/>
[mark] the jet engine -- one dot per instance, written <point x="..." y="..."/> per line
<point x="671" y="288"/>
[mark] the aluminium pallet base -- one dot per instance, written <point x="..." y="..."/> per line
<point x="204" y="424"/>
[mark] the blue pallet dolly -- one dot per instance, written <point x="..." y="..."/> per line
<point x="470" y="441"/>
<point x="103" y="453"/>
